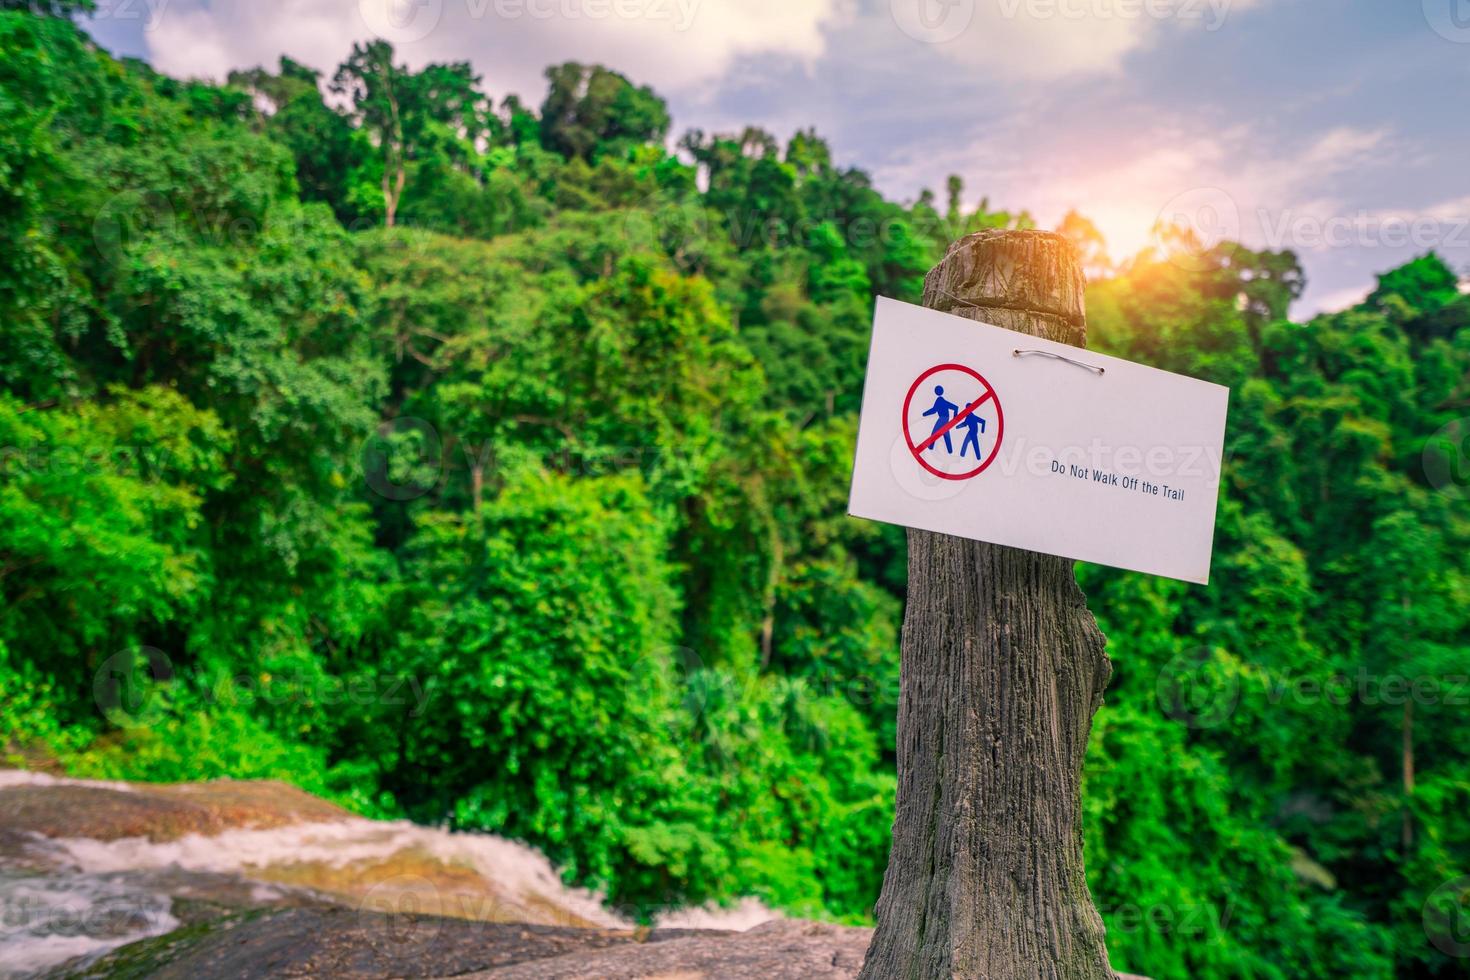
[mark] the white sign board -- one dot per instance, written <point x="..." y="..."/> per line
<point x="1039" y="449"/>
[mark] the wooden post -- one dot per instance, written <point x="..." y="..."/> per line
<point x="1002" y="670"/>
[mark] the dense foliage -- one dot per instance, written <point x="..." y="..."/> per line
<point x="487" y="465"/>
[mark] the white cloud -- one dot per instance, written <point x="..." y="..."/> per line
<point x="1453" y="211"/>
<point x="675" y="44"/>
<point x="1046" y="39"/>
<point x="1239" y="183"/>
<point x="1335" y="301"/>
<point x="207" y="41"/>
<point x="668" y="43"/>
<point x="1236" y="184"/>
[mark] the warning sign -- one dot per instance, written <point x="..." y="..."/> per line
<point x="953" y="421"/>
<point x="986" y="433"/>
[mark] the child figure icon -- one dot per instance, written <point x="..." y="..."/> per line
<point x="973" y="425"/>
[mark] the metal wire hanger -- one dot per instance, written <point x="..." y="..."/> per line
<point x="1020" y="352"/>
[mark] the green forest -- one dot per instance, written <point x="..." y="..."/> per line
<point x="486" y="464"/>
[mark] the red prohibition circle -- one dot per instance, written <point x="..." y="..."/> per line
<point x="988" y="393"/>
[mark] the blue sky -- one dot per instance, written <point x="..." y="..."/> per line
<point x="1333" y="128"/>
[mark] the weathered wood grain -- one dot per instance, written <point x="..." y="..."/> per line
<point x="1003" y="667"/>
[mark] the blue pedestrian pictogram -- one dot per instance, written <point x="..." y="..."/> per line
<point x="973" y="425"/>
<point x="944" y="410"/>
<point x="980" y="422"/>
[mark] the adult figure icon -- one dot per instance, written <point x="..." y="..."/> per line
<point x="943" y="410"/>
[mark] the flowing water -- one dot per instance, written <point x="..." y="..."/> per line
<point x="63" y="897"/>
